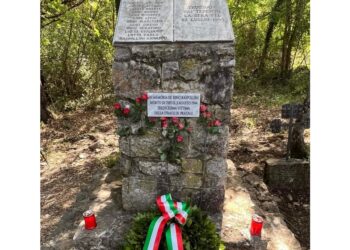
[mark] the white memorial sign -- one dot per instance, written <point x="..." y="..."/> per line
<point x="173" y="20"/>
<point x="202" y="20"/>
<point x="173" y="104"/>
<point x="145" y="21"/>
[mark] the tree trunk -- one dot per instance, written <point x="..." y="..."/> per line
<point x="65" y="70"/>
<point x="45" y="115"/>
<point x="286" y="38"/>
<point x="291" y="35"/>
<point x="298" y="147"/>
<point x="295" y="34"/>
<point x="272" y="23"/>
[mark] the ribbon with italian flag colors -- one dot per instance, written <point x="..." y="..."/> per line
<point x="169" y="209"/>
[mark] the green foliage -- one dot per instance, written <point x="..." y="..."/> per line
<point x="76" y="52"/>
<point x="250" y="20"/>
<point x="136" y="236"/>
<point x="124" y="131"/>
<point x="198" y="233"/>
<point x="214" y="130"/>
<point x="174" y="131"/>
<point x="208" y="121"/>
<point x="271" y="92"/>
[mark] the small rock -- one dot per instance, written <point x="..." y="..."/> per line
<point x="122" y="54"/>
<point x="276" y="199"/>
<point x="83" y="155"/>
<point x="264" y="198"/>
<point x="91" y="137"/>
<point x="289" y="196"/>
<point x="94" y="146"/>
<point x="102" y="142"/>
<point x="227" y="64"/>
<point x="270" y="206"/>
<point x="170" y="70"/>
<point x="69" y="215"/>
<point x="258" y="171"/>
<point x="253" y="179"/>
<point x="262" y="186"/>
<point x="103" y="129"/>
<point x="82" y="196"/>
<point x="113" y="175"/>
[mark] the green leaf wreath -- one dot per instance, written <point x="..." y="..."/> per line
<point x="198" y="233"/>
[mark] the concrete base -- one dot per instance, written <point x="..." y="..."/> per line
<point x="287" y="174"/>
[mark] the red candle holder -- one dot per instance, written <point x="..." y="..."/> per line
<point x="90" y="220"/>
<point x="256" y="225"/>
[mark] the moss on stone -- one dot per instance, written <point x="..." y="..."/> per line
<point x="192" y="166"/>
<point x="188" y="64"/>
<point x="192" y="180"/>
<point x="111" y="160"/>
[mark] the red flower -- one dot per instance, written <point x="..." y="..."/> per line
<point x="180" y="126"/>
<point x="203" y="108"/>
<point x="117" y="105"/>
<point x="126" y="111"/>
<point x="210" y="124"/>
<point x="179" y="138"/>
<point x="163" y="119"/>
<point x="164" y="124"/>
<point x="217" y="123"/>
<point x="138" y="100"/>
<point x="175" y="120"/>
<point x="189" y="129"/>
<point x="144" y="96"/>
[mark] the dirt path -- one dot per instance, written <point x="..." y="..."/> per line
<point x="251" y="144"/>
<point x="76" y="149"/>
<point x="73" y="151"/>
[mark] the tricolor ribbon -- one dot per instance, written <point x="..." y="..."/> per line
<point x="169" y="209"/>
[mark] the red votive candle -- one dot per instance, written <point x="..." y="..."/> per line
<point x="256" y="225"/>
<point x="90" y="220"/>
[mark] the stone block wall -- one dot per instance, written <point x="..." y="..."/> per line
<point x="205" y="68"/>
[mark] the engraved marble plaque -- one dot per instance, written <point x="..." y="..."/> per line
<point x="173" y="20"/>
<point x="202" y="20"/>
<point x="144" y="21"/>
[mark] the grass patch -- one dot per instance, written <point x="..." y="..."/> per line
<point x="250" y="122"/>
<point x="110" y="161"/>
<point x="270" y="92"/>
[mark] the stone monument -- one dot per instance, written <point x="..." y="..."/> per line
<point x="173" y="69"/>
<point x="180" y="50"/>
